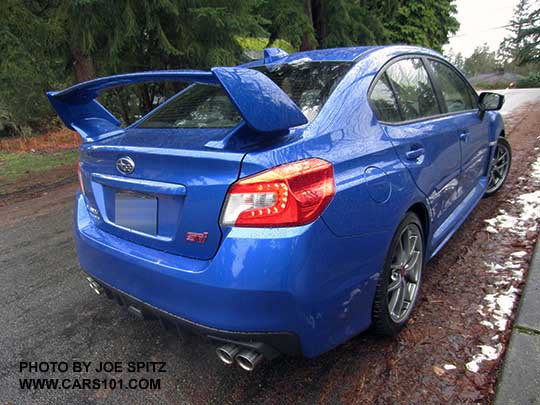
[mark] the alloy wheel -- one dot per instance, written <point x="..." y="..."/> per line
<point x="499" y="168"/>
<point x="405" y="273"/>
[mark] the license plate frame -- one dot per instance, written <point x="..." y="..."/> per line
<point x="136" y="211"/>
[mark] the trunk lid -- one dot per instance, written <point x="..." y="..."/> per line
<point x="177" y="188"/>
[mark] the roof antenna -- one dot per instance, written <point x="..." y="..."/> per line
<point x="273" y="54"/>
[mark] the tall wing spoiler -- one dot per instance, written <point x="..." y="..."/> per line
<point x="262" y="104"/>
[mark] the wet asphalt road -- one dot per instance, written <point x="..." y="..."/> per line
<point x="50" y="314"/>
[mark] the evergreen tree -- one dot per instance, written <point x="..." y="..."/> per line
<point x="32" y="60"/>
<point x="457" y="59"/>
<point x="423" y="22"/>
<point x="47" y="44"/>
<point x="482" y="60"/>
<point x="522" y="46"/>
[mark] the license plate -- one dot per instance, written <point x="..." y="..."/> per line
<point x="136" y="211"/>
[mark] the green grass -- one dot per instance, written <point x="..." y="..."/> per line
<point x="258" y="44"/>
<point x="14" y="165"/>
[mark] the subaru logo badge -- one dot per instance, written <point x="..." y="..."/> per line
<point x="125" y="165"/>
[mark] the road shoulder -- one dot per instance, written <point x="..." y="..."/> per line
<point x="520" y="380"/>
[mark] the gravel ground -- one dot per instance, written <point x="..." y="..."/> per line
<point x="50" y="314"/>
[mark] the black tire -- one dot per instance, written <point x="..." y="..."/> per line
<point x="493" y="188"/>
<point x="382" y="321"/>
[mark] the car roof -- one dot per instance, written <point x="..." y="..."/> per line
<point x="345" y="54"/>
<point x="348" y="54"/>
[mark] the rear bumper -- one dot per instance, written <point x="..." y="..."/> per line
<point x="269" y="343"/>
<point x="296" y="289"/>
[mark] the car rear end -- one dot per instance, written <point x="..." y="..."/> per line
<point x="194" y="243"/>
<point x="165" y="225"/>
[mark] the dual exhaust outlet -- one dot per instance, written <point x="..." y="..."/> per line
<point x="229" y="353"/>
<point x="247" y="359"/>
<point x="94" y="286"/>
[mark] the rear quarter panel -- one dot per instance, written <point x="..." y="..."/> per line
<point x="373" y="188"/>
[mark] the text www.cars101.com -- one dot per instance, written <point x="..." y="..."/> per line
<point x="89" y="383"/>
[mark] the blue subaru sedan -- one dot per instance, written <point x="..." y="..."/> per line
<point x="284" y="205"/>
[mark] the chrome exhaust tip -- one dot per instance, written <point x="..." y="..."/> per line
<point x="226" y="353"/>
<point x="94" y="286"/>
<point x="249" y="359"/>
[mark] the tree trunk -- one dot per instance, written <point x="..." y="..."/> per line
<point x="307" y="42"/>
<point x="146" y="98"/>
<point x="319" y="23"/>
<point x="272" y="39"/>
<point x="124" y="106"/>
<point x="83" y="65"/>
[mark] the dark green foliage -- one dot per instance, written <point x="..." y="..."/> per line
<point x="533" y="80"/>
<point x="423" y="22"/>
<point x="49" y="44"/>
<point x="30" y="63"/>
<point x="457" y="59"/>
<point x="349" y="23"/>
<point x="522" y="46"/>
<point x="286" y="19"/>
<point x="170" y="35"/>
<point x="482" y="60"/>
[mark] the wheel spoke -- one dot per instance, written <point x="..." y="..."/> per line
<point x="396" y="303"/>
<point x="407" y="243"/>
<point x="413" y="240"/>
<point x="501" y="158"/>
<point x="410" y="291"/>
<point x="501" y="166"/>
<point x="400" y="252"/>
<point x="413" y="260"/>
<point x="394" y="284"/>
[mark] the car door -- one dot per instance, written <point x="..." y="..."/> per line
<point x="424" y="140"/>
<point x="460" y="102"/>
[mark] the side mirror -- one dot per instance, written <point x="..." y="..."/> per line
<point x="490" y="101"/>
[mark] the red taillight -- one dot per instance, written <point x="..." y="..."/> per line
<point x="79" y="175"/>
<point x="292" y="194"/>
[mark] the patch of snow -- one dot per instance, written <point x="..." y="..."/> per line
<point x="449" y="367"/>
<point x="488" y="324"/>
<point x="487" y="353"/>
<point x="503" y="221"/>
<point x="536" y="169"/>
<point x="519" y="254"/>
<point x="530" y="203"/>
<point x="509" y="265"/>
<point x="491" y="229"/>
<point x="500" y="302"/>
<point x="494" y="267"/>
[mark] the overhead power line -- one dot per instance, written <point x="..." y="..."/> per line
<point x="476" y="32"/>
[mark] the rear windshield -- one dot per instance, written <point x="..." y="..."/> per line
<point x="308" y="84"/>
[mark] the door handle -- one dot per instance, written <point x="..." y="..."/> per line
<point x="414" y="154"/>
<point x="464" y="137"/>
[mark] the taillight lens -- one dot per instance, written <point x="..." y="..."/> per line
<point x="79" y="175"/>
<point x="288" y="195"/>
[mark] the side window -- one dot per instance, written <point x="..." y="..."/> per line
<point x="383" y="101"/>
<point x="455" y="91"/>
<point x="413" y="89"/>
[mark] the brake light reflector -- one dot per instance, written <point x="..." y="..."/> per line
<point x="79" y="176"/>
<point x="288" y="195"/>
